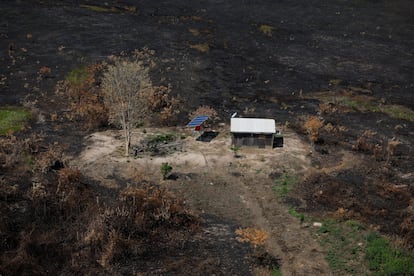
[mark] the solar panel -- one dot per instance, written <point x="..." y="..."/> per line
<point x="197" y="121"/>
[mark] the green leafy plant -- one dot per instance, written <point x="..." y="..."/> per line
<point x="165" y="170"/>
<point x="13" y="119"/>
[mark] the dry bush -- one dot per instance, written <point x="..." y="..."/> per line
<point x="327" y="108"/>
<point x="163" y="108"/>
<point x="381" y="149"/>
<point x="144" y="219"/>
<point x="254" y="236"/>
<point x="48" y="158"/>
<point x="16" y="153"/>
<point x="44" y="72"/>
<point x="312" y="126"/>
<point x="205" y="110"/>
<point x="84" y="97"/>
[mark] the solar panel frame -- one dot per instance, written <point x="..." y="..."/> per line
<point x="197" y="121"/>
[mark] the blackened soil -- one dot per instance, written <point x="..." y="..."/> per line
<point x="359" y="43"/>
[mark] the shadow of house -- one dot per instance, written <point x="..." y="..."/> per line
<point x="207" y="136"/>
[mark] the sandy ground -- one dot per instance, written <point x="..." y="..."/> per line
<point x="213" y="181"/>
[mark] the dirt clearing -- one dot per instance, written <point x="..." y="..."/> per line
<point x="213" y="181"/>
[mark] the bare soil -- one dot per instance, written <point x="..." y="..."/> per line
<point x="213" y="181"/>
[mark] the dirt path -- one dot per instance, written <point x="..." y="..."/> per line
<point x="213" y="181"/>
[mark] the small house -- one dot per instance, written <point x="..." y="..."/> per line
<point x="253" y="132"/>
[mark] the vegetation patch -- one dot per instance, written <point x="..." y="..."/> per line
<point x="78" y="75"/>
<point x="345" y="245"/>
<point x="159" y="144"/>
<point x="384" y="259"/>
<point x="129" y="9"/>
<point x="13" y="119"/>
<point x="296" y="214"/>
<point x="266" y="29"/>
<point x="284" y="184"/>
<point x="364" y="103"/>
<point x="161" y="138"/>
<point x="202" y="47"/>
<point x="252" y="235"/>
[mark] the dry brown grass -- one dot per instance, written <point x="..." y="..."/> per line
<point x="202" y="47"/>
<point x="266" y="30"/>
<point x="252" y="235"/>
<point x="312" y="126"/>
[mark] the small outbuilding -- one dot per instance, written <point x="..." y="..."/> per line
<point x="253" y="132"/>
<point x="197" y="123"/>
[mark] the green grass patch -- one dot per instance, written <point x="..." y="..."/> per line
<point x="385" y="259"/>
<point x="345" y="245"/>
<point x="284" y="184"/>
<point x="296" y="214"/>
<point x="13" y="119"/>
<point x="78" y="75"/>
<point x="366" y="104"/>
<point x="276" y="272"/>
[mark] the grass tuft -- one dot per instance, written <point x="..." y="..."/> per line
<point x="266" y="30"/>
<point x="204" y="47"/>
<point x="13" y="119"/>
<point x="78" y="75"/>
<point x="99" y="8"/>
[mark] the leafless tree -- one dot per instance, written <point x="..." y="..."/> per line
<point x="124" y="85"/>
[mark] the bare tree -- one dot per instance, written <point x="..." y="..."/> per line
<point x="124" y="84"/>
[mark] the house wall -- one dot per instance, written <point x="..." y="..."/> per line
<point x="252" y="139"/>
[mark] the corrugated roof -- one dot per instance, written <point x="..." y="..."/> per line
<point x="252" y="125"/>
<point x="197" y="121"/>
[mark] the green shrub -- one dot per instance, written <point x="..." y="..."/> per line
<point x="161" y="138"/>
<point x="384" y="259"/>
<point x="165" y="170"/>
<point x="13" y="119"/>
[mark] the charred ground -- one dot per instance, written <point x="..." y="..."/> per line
<point x="282" y="59"/>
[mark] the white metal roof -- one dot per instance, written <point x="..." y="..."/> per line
<point x="252" y="125"/>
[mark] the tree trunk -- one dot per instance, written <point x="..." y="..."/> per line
<point x="127" y="141"/>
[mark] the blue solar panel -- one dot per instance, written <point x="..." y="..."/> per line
<point x="197" y="121"/>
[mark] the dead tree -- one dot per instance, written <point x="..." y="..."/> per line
<point x="124" y="85"/>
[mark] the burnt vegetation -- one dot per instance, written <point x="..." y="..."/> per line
<point x="56" y="220"/>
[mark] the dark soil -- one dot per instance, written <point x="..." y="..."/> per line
<point x="313" y="46"/>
